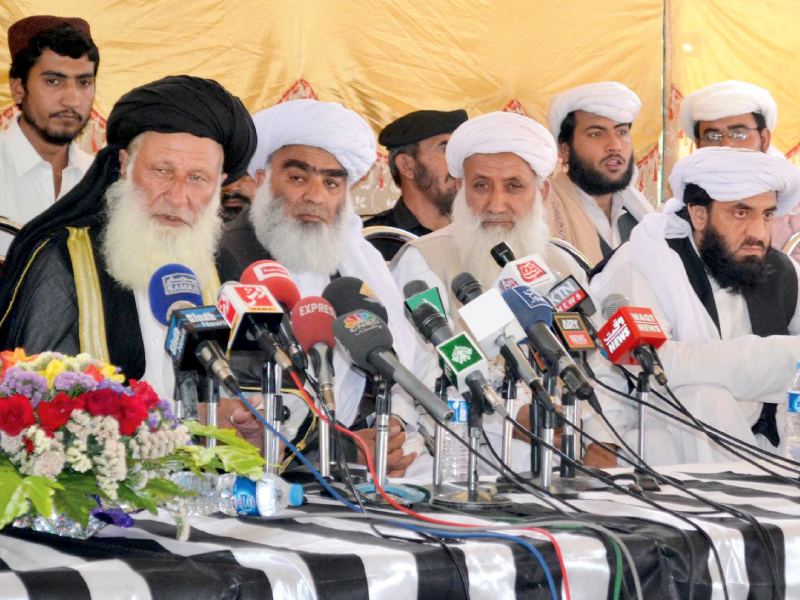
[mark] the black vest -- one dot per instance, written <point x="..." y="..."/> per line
<point x="625" y="224"/>
<point x="771" y="307"/>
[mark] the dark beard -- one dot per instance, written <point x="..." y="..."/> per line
<point x="733" y="275"/>
<point x="592" y="181"/>
<point x="441" y="199"/>
<point x="56" y="139"/>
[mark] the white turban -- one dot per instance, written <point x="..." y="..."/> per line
<point x="498" y="132"/>
<point x="729" y="174"/>
<point x="726" y="99"/>
<point x="608" y="99"/>
<point x="325" y="125"/>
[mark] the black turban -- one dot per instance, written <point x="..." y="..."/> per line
<point x="178" y="104"/>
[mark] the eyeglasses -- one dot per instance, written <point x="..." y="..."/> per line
<point x="738" y="134"/>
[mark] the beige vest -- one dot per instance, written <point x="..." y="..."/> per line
<point x="568" y="220"/>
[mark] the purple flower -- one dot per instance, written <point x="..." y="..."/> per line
<point x="153" y="420"/>
<point x="166" y="410"/>
<point x="114" y="386"/>
<point x="69" y="380"/>
<point x="27" y="383"/>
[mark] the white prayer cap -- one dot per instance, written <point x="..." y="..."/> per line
<point x="729" y="174"/>
<point x="726" y="99"/>
<point x="498" y="132"/>
<point x="325" y="125"/>
<point x="608" y="99"/>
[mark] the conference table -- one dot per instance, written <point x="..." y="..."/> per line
<point x="324" y="550"/>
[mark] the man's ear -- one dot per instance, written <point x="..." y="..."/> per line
<point x="124" y="159"/>
<point x="699" y="216"/>
<point x="459" y="183"/>
<point x="546" y="189"/>
<point x="563" y="151"/>
<point x="17" y="89"/>
<point x="261" y="174"/>
<point x="405" y="164"/>
<point x="766" y="139"/>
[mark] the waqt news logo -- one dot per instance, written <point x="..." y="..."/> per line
<point x="530" y="271"/>
<point x="617" y="336"/>
<point x="646" y="322"/>
<point x="361" y="321"/>
<point x="180" y="283"/>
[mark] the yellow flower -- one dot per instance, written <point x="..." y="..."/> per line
<point x="54" y="368"/>
<point x="110" y="371"/>
<point x="11" y="357"/>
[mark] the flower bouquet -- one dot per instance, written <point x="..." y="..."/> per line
<point x="79" y="449"/>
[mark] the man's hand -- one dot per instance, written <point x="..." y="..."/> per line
<point x="233" y="413"/>
<point x="598" y="456"/>
<point x="396" y="462"/>
<point x="524" y="419"/>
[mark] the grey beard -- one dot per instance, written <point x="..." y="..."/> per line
<point x="300" y="247"/>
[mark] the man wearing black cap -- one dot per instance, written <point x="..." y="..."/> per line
<point x="52" y="79"/>
<point x="77" y="277"/>
<point x="416" y="144"/>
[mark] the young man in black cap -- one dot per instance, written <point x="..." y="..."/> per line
<point x="416" y="144"/>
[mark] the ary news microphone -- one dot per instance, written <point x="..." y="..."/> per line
<point x="630" y="333"/>
<point x="416" y="292"/>
<point x="493" y="324"/>
<point x="530" y="270"/>
<point x="535" y="315"/>
<point x="276" y="278"/>
<point x="254" y="316"/>
<point x="366" y="339"/>
<point x="569" y="296"/>
<point x="572" y="332"/>
<point x="461" y="359"/>
<point x="347" y="294"/>
<point x="195" y="332"/>
<point x="312" y="318"/>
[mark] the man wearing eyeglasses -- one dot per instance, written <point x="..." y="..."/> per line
<point x="739" y="115"/>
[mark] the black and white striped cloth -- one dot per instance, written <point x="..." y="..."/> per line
<point x="339" y="558"/>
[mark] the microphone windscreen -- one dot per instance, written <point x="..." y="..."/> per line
<point x="465" y="287"/>
<point x="528" y="306"/>
<point x="347" y="294"/>
<point x="276" y="278"/>
<point x="312" y="320"/>
<point x="612" y="303"/>
<point x="412" y="288"/>
<point x="361" y="332"/>
<point x="502" y="254"/>
<point x="170" y="284"/>
<point x="429" y="321"/>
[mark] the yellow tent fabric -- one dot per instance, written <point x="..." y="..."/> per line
<point x="386" y="58"/>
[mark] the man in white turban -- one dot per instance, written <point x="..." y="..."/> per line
<point x="739" y="115"/>
<point x="502" y="161"/>
<point x="726" y="300"/>
<point x="308" y="154"/>
<point x="595" y="204"/>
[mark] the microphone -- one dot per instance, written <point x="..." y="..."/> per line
<point x="530" y="270"/>
<point x="535" y="315"/>
<point x="277" y="280"/>
<point x="629" y="335"/>
<point x="572" y="332"/>
<point x="416" y="292"/>
<point x="368" y="342"/>
<point x="313" y="319"/>
<point x="568" y="295"/>
<point x="348" y="294"/>
<point x="254" y="316"/>
<point x="195" y="332"/>
<point x="463" y="363"/>
<point x="493" y="324"/>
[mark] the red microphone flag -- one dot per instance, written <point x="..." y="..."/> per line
<point x="627" y="329"/>
<point x="277" y="279"/>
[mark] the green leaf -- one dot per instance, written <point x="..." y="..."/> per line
<point x="198" y="456"/>
<point x="39" y="490"/>
<point x="227" y="436"/>
<point x="73" y="499"/>
<point x="241" y="462"/>
<point x="6" y="464"/>
<point x="136" y="498"/>
<point x="162" y="490"/>
<point x="13" y="502"/>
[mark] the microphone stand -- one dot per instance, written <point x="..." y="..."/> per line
<point x="548" y="432"/>
<point x="645" y="359"/>
<point x="509" y="395"/>
<point x="438" y="439"/>
<point x="212" y="403"/>
<point x="271" y="375"/>
<point x="325" y="442"/>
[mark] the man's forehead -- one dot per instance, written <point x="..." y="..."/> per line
<point x="746" y="119"/>
<point x="585" y="119"/>
<point x="52" y="61"/>
<point x="155" y="143"/>
<point x="764" y="201"/>
<point x="503" y="164"/>
<point x="314" y="156"/>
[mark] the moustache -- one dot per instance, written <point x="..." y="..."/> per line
<point x="235" y="196"/>
<point x="754" y="242"/>
<point x="67" y="113"/>
<point x="616" y="156"/>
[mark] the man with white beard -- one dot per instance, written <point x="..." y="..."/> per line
<point x="503" y="161"/>
<point x="308" y="154"/>
<point x="77" y="276"/>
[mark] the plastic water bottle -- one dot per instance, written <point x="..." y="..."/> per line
<point x="455" y="456"/>
<point x="235" y="495"/>
<point x="793" y="418"/>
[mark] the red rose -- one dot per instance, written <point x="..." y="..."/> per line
<point x="143" y="390"/>
<point x="132" y="413"/>
<point x="56" y="413"/>
<point x="102" y="403"/>
<point x="16" y="414"/>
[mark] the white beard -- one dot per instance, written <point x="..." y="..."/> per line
<point x="299" y="246"/>
<point x="474" y="242"/>
<point x="135" y="245"/>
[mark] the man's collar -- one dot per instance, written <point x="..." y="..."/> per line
<point x="24" y="155"/>
<point x="405" y="219"/>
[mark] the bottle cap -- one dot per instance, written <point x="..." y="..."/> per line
<point x="295" y="494"/>
<point x="798" y="366"/>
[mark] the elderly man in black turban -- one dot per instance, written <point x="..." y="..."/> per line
<point x="77" y="276"/>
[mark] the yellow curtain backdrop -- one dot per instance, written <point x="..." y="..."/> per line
<point x="383" y="58"/>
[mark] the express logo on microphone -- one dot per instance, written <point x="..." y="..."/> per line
<point x="360" y="322"/>
<point x="180" y="283"/>
<point x="317" y="307"/>
<point x="530" y="271"/>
